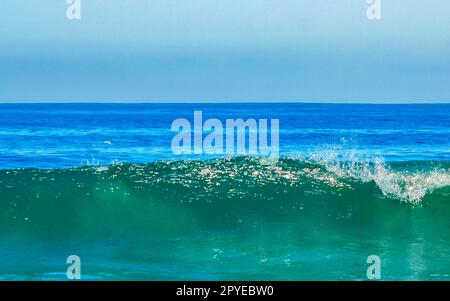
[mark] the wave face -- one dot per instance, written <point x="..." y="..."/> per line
<point x="159" y="220"/>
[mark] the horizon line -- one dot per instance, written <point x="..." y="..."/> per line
<point x="226" y="102"/>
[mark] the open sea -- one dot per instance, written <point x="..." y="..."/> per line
<point x="100" y="181"/>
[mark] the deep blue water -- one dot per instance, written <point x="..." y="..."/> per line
<point x="66" y="135"/>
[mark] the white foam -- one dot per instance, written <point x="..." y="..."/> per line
<point x="408" y="186"/>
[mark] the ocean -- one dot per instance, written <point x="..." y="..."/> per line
<point x="101" y="181"/>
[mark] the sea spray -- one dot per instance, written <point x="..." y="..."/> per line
<point x="408" y="184"/>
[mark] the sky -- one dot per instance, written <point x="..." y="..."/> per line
<point x="225" y="51"/>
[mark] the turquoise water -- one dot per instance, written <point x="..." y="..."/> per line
<point x="353" y="181"/>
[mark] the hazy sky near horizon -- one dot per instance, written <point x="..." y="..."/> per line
<point x="225" y="50"/>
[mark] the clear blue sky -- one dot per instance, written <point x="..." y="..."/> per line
<point x="225" y="50"/>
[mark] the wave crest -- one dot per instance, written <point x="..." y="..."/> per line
<point x="241" y="177"/>
<point x="408" y="182"/>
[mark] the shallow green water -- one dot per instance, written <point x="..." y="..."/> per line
<point x="227" y="219"/>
